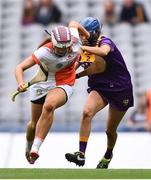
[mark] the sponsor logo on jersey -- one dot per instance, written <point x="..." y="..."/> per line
<point x="39" y="92"/>
<point x="111" y="85"/>
<point x="125" y="102"/>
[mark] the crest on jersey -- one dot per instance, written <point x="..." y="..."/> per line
<point x="58" y="66"/>
<point x="125" y="102"/>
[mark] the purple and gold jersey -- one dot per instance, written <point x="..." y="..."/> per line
<point x="114" y="84"/>
<point x="116" y="76"/>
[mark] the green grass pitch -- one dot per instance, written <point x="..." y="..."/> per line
<point x="75" y="173"/>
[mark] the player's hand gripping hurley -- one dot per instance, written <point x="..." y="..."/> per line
<point x="41" y="75"/>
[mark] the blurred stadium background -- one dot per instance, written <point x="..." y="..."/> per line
<point x="17" y="42"/>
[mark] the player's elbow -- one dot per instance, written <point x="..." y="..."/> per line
<point x="73" y="24"/>
<point x="19" y="68"/>
<point x="103" y="53"/>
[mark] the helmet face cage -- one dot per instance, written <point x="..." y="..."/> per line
<point x="61" y="37"/>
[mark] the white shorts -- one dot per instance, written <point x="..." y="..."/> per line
<point x="41" y="89"/>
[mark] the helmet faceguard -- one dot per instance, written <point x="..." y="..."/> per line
<point x="61" y="37"/>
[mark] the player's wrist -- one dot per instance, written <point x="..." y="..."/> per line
<point x="83" y="48"/>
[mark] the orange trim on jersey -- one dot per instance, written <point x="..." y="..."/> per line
<point x="84" y="139"/>
<point x="48" y="45"/>
<point x="36" y="59"/>
<point x="66" y="76"/>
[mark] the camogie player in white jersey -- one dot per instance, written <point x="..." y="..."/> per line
<point x="59" y="54"/>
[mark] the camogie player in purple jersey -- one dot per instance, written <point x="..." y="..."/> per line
<point x="109" y="83"/>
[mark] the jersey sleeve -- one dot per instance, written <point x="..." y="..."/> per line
<point x="41" y="54"/>
<point x="106" y="41"/>
<point x="38" y="55"/>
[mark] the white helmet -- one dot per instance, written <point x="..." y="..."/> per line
<point x="61" y="37"/>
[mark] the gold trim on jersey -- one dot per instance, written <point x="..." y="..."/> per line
<point x="99" y="39"/>
<point x="88" y="57"/>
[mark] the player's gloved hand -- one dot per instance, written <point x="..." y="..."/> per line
<point x="78" y="76"/>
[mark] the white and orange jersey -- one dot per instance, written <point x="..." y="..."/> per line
<point x="61" y="70"/>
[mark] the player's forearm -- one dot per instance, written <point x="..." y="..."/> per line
<point x="26" y="64"/>
<point x="90" y="70"/>
<point x="98" y="66"/>
<point x="80" y="28"/>
<point x="19" y="74"/>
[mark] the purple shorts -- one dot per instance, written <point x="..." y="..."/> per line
<point x="120" y="100"/>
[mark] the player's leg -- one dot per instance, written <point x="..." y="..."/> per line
<point x="114" y="118"/>
<point x="55" y="98"/>
<point x="94" y="103"/>
<point x="36" y="110"/>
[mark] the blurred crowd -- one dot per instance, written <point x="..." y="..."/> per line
<point x="46" y="12"/>
<point x="43" y="12"/>
<point x="131" y="12"/>
<point x="140" y="119"/>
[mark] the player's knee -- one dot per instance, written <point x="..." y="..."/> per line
<point x="48" y="107"/>
<point x="87" y="114"/>
<point x="31" y="125"/>
<point x="111" y="134"/>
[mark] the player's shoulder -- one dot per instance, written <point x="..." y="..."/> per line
<point x="104" y="40"/>
<point x="44" y="51"/>
<point x="46" y="48"/>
